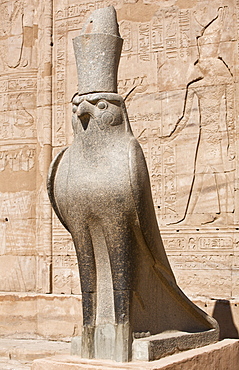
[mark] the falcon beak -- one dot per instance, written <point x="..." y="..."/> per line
<point x="84" y="118"/>
<point x="84" y="113"/>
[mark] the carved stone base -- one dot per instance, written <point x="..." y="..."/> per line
<point x="221" y="355"/>
<point x="165" y="344"/>
<point x="109" y="342"/>
<point x="153" y="347"/>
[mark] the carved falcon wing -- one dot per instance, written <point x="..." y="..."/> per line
<point x="140" y="185"/>
<point x="50" y="184"/>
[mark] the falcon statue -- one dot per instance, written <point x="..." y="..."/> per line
<point x="99" y="188"/>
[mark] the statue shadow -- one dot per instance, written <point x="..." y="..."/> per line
<point x="223" y="314"/>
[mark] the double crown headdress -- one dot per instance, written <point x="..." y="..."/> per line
<point x="97" y="52"/>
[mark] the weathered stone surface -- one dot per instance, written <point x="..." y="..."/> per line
<point x="25" y="131"/>
<point x="160" y="345"/>
<point x="29" y="350"/>
<point x="33" y="316"/>
<point x="99" y="38"/>
<point x="54" y="317"/>
<point x="226" y="313"/>
<point x="222" y="355"/>
<point x="19" y="354"/>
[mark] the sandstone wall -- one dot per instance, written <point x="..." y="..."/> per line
<point x="179" y="72"/>
<point x="25" y="137"/>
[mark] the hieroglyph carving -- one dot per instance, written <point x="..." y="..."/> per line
<point x="18" y="159"/>
<point x="17" y="212"/>
<point x="18" y="108"/>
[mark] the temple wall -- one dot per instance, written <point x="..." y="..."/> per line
<point x="25" y="136"/>
<point x="179" y="75"/>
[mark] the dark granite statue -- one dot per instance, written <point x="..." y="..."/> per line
<point x="99" y="188"/>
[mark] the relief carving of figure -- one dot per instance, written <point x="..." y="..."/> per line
<point x="19" y="30"/>
<point x="212" y="84"/>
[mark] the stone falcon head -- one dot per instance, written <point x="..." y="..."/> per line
<point x="105" y="109"/>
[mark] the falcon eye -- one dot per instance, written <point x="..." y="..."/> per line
<point x="76" y="100"/>
<point x="102" y="104"/>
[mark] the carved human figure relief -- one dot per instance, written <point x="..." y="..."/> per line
<point x="212" y="85"/>
<point x="19" y="27"/>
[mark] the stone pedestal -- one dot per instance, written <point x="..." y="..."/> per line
<point x="222" y="355"/>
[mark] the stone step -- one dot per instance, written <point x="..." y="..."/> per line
<point x="223" y="355"/>
<point x="7" y="364"/>
<point x="18" y="354"/>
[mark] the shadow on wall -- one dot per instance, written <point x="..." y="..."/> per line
<point x="223" y="314"/>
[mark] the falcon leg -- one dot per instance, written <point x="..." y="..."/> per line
<point x="86" y="263"/>
<point x="119" y="243"/>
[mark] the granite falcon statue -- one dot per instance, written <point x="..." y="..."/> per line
<point x="100" y="190"/>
